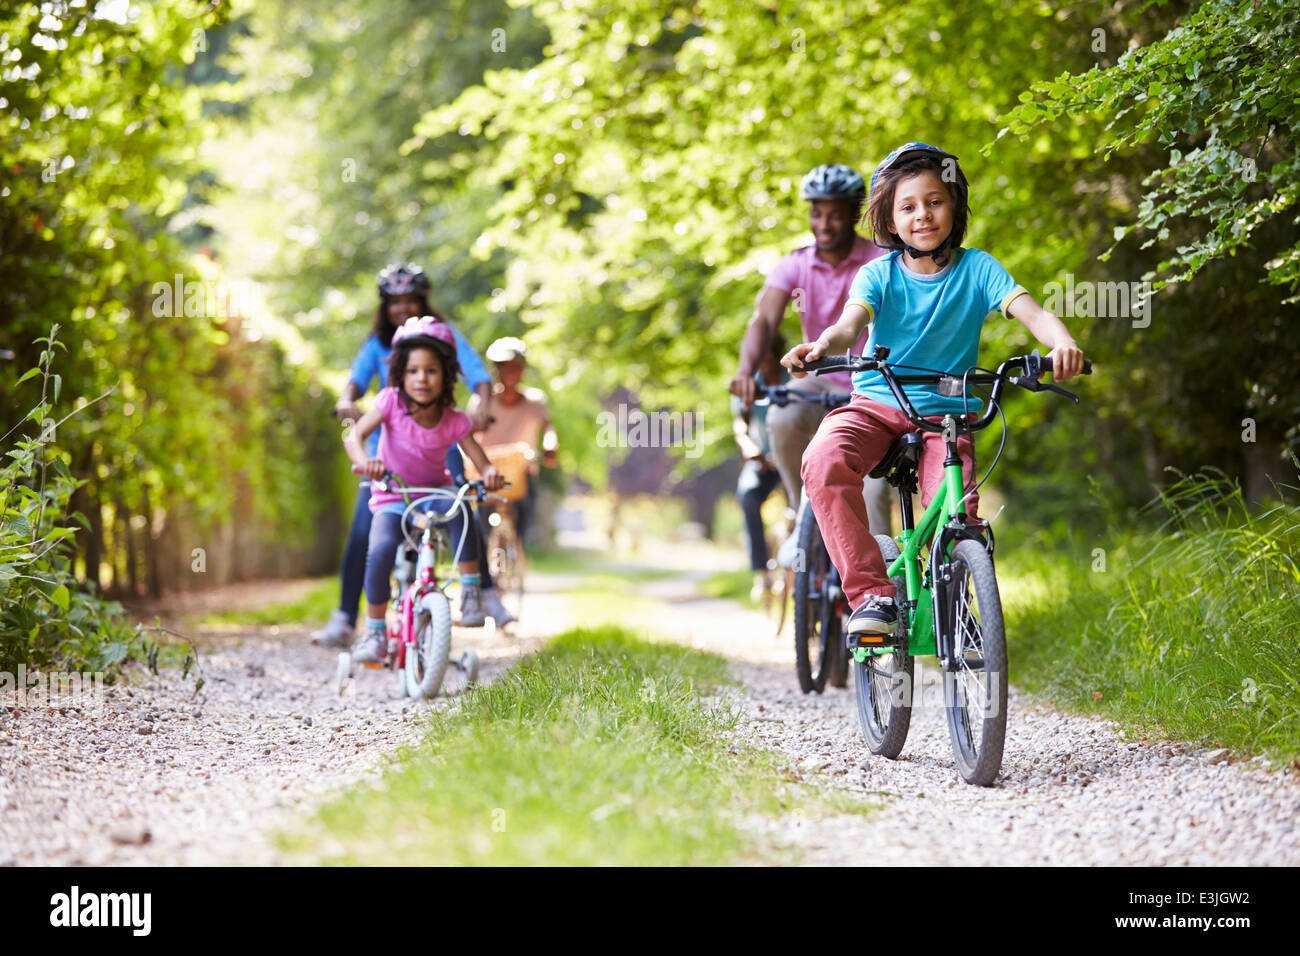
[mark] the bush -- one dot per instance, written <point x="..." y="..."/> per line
<point x="1192" y="632"/>
<point x="45" y="617"/>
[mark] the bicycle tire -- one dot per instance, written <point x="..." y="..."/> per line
<point x="506" y="559"/>
<point x="883" y="683"/>
<point x="812" y="636"/>
<point x="977" y="708"/>
<point x="839" y="663"/>
<point x="426" y="660"/>
<point x="782" y="586"/>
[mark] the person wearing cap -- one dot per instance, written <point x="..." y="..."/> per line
<point x="817" y="278"/>
<point x="519" y="415"/>
<point x="927" y="302"/>
<point x="403" y="295"/>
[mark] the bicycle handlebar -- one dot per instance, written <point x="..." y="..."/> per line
<point x="1033" y="365"/>
<point x="782" y="395"/>
<point x="476" y="486"/>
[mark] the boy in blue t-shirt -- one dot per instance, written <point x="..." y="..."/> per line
<point x="926" y="302"/>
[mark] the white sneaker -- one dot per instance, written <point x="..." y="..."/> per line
<point x="471" y="606"/>
<point x="493" y="607"/>
<point x="338" y="632"/>
<point x="788" y="554"/>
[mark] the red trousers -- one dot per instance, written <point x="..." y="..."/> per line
<point x="851" y="441"/>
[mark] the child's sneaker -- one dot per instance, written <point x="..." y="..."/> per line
<point x="372" y="648"/>
<point x="491" y="599"/>
<point x="877" y="615"/>
<point x="338" y="632"/>
<point x="471" y="606"/>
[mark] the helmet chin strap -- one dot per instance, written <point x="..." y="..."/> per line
<point x="420" y="405"/>
<point x="939" y="253"/>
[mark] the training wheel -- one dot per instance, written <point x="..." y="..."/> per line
<point x="342" y="672"/>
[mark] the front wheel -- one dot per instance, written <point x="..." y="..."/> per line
<point x="975" y="686"/>
<point x="884" y="681"/>
<point x="426" y="660"/>
<point x="816" y="621"/>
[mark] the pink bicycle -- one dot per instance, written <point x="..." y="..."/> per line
<point x="419" y="615"/>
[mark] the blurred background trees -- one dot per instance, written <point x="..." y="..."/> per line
<point x="611" y="184"/>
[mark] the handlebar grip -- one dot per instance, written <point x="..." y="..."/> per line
<point x="827" y="362"/>
<point x="1048" y="365"/>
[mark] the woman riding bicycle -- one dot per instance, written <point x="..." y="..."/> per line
<point x="421" y="424"/>
<point x="926" y="301"/>
<point x="403" y="295"/>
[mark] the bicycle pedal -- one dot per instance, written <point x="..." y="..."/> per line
<point x="868" y="640"/>
<point x="372" y="665"/>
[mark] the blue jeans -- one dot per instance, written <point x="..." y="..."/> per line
<point x="752" y="489"/>
<point x="386" y="538"/>
<point x="352" y="570"/>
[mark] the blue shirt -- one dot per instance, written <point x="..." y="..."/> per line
<point x="372" y="363"/>
<point x="929" y="321"/>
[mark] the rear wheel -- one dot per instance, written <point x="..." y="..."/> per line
<point x="816" y="621"/>
<point x="884" y="682"/>
<point x="426" y="661"/>
<point x="506" y="561"/>
<point x="975" y="690"/>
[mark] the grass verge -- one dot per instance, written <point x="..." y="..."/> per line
<point x="314" y="607"/>
<point x="1192" y="631"/>
<point x="601" y="749"/>
<point x="730" y="585"/>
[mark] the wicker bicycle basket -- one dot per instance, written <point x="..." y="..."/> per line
<point x="512" y="461"/>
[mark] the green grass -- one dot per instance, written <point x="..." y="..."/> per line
<point x="314" y="607"/>
<point x="1190" y="632"/>
<point x="574" y="561"/>
<point x="730" y="585"/>
<point x="599" y="750"/>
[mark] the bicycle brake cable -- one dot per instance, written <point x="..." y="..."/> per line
<point x="998" y="456"/>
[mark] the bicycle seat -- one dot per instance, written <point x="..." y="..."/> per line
<point x="899" y="464"/>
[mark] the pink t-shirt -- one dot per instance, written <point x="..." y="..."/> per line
<point x="824" y="289"/>
<point x="416" y="454"/>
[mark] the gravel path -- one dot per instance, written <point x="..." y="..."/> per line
<point x="160" y="775"/>
<point x="1074" y="790"/>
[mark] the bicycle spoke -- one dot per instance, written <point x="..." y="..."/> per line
<point x="971" y="689"/>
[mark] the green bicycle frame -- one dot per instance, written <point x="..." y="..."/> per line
<point x="920" y="634"/>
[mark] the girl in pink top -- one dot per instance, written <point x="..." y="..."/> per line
<point x="420" y="425"/>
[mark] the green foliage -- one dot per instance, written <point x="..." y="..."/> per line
<point x="1223" y="82"/>
<point x="1187" y="628"/>
<point x="45" y="617"/>
<point x="598" y="750"/>
<point x="214" y="417"/>
<point x="647" y="169"/>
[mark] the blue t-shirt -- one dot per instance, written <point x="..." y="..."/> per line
<point x="372" y="363"/>
<point x="929" y="321"/>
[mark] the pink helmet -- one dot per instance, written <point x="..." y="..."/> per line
<point x="426" y="327"/>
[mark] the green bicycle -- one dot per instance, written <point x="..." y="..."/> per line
<point x="948" y="605"/>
